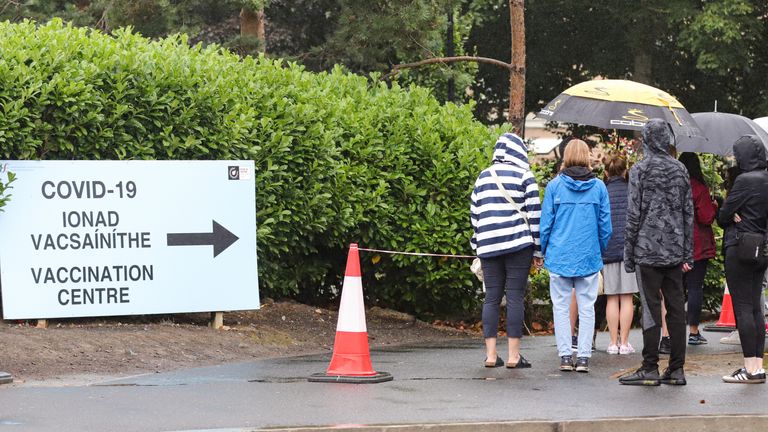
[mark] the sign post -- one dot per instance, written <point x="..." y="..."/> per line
<point x="100" y="238"/>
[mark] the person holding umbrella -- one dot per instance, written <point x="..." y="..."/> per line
<point x="744" y="216"/>
<point x="658" y="246"/>
<point x="620" y="286"/>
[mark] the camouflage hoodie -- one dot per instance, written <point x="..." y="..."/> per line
<point x="659" y="230"/>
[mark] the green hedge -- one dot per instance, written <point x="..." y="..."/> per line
<point x="339" y="158"/>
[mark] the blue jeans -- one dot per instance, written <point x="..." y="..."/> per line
<point x="560" y="288"/>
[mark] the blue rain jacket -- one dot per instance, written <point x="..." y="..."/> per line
<point x="575" y="225"/>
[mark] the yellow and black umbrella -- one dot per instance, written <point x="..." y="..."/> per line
<point x="620" y="104"/>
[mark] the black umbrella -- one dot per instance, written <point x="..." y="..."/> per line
<point x="722" y="130"/>
<point x="620" y="104"/>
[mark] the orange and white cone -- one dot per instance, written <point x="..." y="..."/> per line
<point x="351" y="361"/>
<point x="727" y="321"/>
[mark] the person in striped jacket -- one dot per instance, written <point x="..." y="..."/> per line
<point x="505" y="213"/>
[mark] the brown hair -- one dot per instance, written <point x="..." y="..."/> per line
<point x="576" y="154"/>
<point x="615" y="165"/>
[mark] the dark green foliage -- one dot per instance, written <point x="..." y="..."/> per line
<point x="339" y="159"/>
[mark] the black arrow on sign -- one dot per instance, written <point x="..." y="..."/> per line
<point x="220" y="238"/>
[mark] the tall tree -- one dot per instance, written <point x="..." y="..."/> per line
<point x="516" y="114"/>
<point x="252" y="21"/>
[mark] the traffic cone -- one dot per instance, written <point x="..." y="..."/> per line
<point x="727" y="321"/>
<point x="351" y="361"/>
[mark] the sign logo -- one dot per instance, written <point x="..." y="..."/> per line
<point x="600" y="91"/>
<point x="627" y="123"/>
<point x="233" y="173"/>
<point x="634" y="118"/>
<point x="550" y="110"/>
<point x="635" y="114"/>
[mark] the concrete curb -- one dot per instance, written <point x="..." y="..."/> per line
<point x="717" y="423"/>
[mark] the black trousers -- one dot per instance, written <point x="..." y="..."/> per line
<point x="694" y="283"/>
<point x="745" y="283"/>
<point x="505" y="275"/>
<point x="653" y="282"/>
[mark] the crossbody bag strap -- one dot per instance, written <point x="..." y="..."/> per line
<point x="507" y="196"/>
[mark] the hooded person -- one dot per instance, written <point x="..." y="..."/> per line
<point x="658" y="246"/>
<point x="504" y="213"/>
<point x="575" y="229"/>
<point x="744" y="214"/>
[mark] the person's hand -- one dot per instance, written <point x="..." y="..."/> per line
<point x="538" y="262"/>
<point x="687" y="267"/>
<point x="736" y="218"/>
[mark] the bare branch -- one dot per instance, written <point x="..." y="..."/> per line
<point x="443" y="60"/>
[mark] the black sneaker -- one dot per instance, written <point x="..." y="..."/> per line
<point x="641" y="377"/>
<point x="574" y="342"/>
<point x="696" y="339"/>
<point x="566" y="363"/>
<point x="582" y="364"/>
<point x="675" y="377"/>
<point x="741" y="376"/>
<point x="665" y="346"/>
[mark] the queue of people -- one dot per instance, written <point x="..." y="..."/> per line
<point x="646" y="230"/>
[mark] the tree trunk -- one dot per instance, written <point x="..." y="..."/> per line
<point x="642" y="71"/>
<point x="252" y="24"/>
<point x="516" y="114"/>
<point x="450" y="52"/>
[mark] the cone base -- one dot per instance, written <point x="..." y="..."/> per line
<point x="719" y="328"/>
<point x="5" y="378"/>
<point x="347" y="379"/>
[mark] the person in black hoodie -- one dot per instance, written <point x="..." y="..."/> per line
<point x="744" y="211"/>
<point x="658" y="245"/>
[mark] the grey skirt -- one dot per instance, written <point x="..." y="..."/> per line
<point x="617" y="281"/>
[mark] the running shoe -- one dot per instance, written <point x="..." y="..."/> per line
<point x="741" y="376"/>
<point x="612" y="349"/>
<point x="696" y="339"/>
<point x="566" y="363"/>
<point x="642" y="377"/>
<point x="731" y="339"/>
<point x="665" y="346"/>
<point x="626" y="349"/>
<point x="673" y="377"/>
<point x="582" y="364"/>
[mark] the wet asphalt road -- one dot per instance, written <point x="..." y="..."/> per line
<point x="432" y="384"/>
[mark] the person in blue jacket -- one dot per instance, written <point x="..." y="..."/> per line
<point x="575" y="229"/>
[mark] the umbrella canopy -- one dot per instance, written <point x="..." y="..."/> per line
<point x="620" y="104"/>
<point x="722" y="130"/>
<point x="762" y="122"/>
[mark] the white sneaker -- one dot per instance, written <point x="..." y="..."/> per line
<point x="626" y="349"/>
<point x="731" y="339"/>
<point x="612" y="349"/>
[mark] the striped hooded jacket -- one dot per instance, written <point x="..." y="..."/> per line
<point x="498" y="228"/>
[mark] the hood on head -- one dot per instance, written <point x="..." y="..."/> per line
<point x="657" y="137"/>
<point x="510" y="149"/>
<point x="749" y="152"/>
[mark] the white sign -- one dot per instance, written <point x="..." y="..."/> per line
<point x="98" y="238"/>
